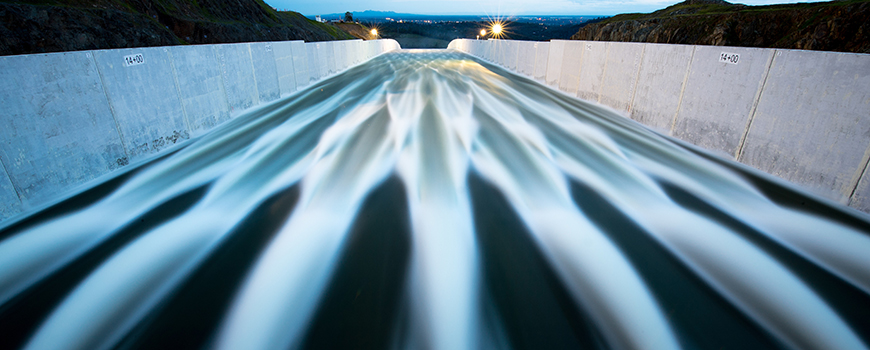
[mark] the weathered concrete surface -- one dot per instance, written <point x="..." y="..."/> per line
<point x="238" y="72"/>
<point x="554" y="62"/>
<point x="56" y="128"/>
<point x="719" y="97"/>
<point x="200" y="85"/>
<point x="144" y="99"/>
<point x="510" y="51"/>
<point x="283" y="53"/>
<point x="572" y="58"/>
<point x="339" y="55"/>
<point x="620" y="77"/>
<point x="812" y="123"/>
<point x="300" y="64"/>
<point x="663" y="70"/>
<point x="542" y="56"/>
<point x="9" y="202"/>
<point x="263" y="61"/>
<point x="316" y="67"/>
<point x="526" y="58"/>
<point x="327" y="53"/>
<point x="592" y="70"/>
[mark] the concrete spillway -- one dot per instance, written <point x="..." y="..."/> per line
<point x="429" y="199"/>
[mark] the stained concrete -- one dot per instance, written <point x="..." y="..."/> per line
<point x="238" y="72"/>
<point x="620" y="77"/>
<point x="316" y="66"/>
<point x="265" y="72"/>
<point x="339" y="55"/>
<point x="526" y="58"/>
<point x="554" y="62"/>
<point x="510" y="54"/>
<point x="663" y="71"/>
<point x="286" y="72"/>
<point x="144" y="99"/>
<point x="812" y="124"/>
<point x="592" y="70"/>
<point x="542" y="56"/>
<point x="719" y="97"/>
<point x="300" y="64"/>
<point x="56" y="128"/>
<point x="572" y="58"/>
<point x="200" y="85"/>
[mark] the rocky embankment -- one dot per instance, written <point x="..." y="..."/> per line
<point x="829" y="26"/>
<point x="35" y="26"/>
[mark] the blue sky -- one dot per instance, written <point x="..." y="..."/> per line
<point x="501" y="8"/>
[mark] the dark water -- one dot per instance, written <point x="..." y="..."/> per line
<point x="425" y="199"/>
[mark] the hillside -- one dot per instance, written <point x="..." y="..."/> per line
<point x="829" y="26"/>
<point x="35" y="26"/>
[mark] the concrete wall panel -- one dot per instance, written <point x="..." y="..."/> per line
<point x="200" y="85"/>
<point x="542" y="55"/>
<point x="283" y="52"/>
<point x="554" y="62"/>
<point x="327" y="51"/>
<point x="592" y="69"/>
<point x="300" y="64"/>
<point x="339" y="49"/>
<point x="526" y="58"/>
<point x="812" y="122"/>
<point x="660" y="83"/>
<point x="144" y="99"/>
<point x="620" y="77"/>
<point x="56" y="128"/>
<point x="316" y="66"/>
<point x="238" y="73"/>
<point x="719" y="96"/>
<point x="509" y="54"/>
<point x="265" y="71"/>
<point x="572" y="57"/>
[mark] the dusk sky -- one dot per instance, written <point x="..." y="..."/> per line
<point x="502" y="8"/>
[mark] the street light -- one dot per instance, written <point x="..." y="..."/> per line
<point x="496" y="29"/>
<point x="374" y="32"/>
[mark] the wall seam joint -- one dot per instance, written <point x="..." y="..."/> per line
<point x="636" y="80"/>
<point x="856" y="180"/>
<point x="604" y="72"/>
<point x="223" y="69"/>
<point x="111" y="107"/>
<point x="178" y="91"/>
<point x="683" y="90"/>
<point x="254" y="75"/>
<point x="739" y="152"/>
<point x="14" y="188"/>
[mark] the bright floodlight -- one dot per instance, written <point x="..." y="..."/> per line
<point x="483" y="32"/>
<point x="375" y="32"/>
<point x="496" y="29"/>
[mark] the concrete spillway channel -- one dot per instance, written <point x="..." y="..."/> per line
<point x="431" y="199"/>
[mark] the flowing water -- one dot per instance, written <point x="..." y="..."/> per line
<point x="430" y="200"/>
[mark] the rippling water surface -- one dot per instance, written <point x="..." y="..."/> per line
<point x="429" y="200"/>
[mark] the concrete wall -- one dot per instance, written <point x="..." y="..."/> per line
<point x="68" y="118"/>
<point x="801" y="115"/>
